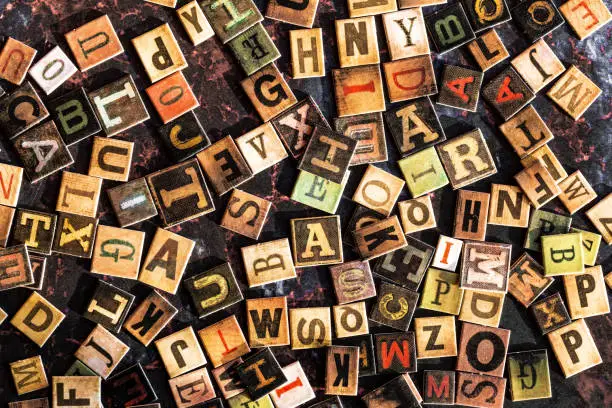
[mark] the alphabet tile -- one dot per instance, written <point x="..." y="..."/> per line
<point x="35" y="230"/>
<point x="214" y="290"/>
<point x="37" y="319"/>
<point x="538" y="184"/>
<point x="300" y="14"/>
<point x="468" y="385"/>
<point x="404" y="4"/>
<point x="184" y="136"/>
<point x="485" y="266"/>
<point x="574" y="92"/>
<point x="78" y="369"/>
<point x="74" y="116"/>
<point x="488" y="50"/>
<point x="586" y="17"/>
<point x="94" y="42"/>
<point x="342" y="370"/>
<point x="361" y="217"/>
<point x="358" y="8"/>
<point x="586" y="293"/>
<point x="406" y="266"/>
<point x="117" y="252"/>
<point x="423" y="172"/>
<point x="227" y="379"/>
<point x="367" y="363"/>
<point x="172" y="97"/>
<point x="378" y="190"/>
<point x="38" y="265"/>
<point x="482" y="350"/>
<point x="192" y="389"/>
<point x="379" y="238"/>
<point x="180" y="352"/>
<point x="395" y="352"/>
<point x="481" y="18"/>
<point x="111" y="159"/>
<point x="224" y="341"/>
<point x="149" y="318"/>
<point x="21" y="110"/>
<point x="529" y="376"/>
<point x="550" y="161"/>
<point x="601" y="217"/>
<point x="52" y="70"/>
<point x="86" y="390"/>
<point x="242" y="400"/>
<point x="75" y="235"/>
<point x="132" y="202"/>
<point x="254" y="49"/>
<point x="119" y="106"/>
<point x="11" y="178"/>
<point x="79" y="194"/>
<point x="159" y="52"/>
<point x="350" y="320"/>
<point x="328" y="154"/>
<point x="109" y="306"/>
<point x="245" y="214"/>
<point x="15" y="59"/>
<point x="538" y="65"/>
<point x="394" y="306"/>
<point x="410" y="78"/>
<point x="195" y="22"/>
<point x="229" y="18"/>
<point x="527" y="281"/>
<point x="397" y="392"/>
<point x="7" y="215"/>
<point x="439" y="387"/>
<point x="550" y="313"/>
<point x="296" y="391"/>
<point x="435" y="337"/>
<point x="261" y="373"/>
<point x="31" y="403"/>
<point x="15" y="269"/>
<point x="310" y="327"/>
<point x="307" y="53"/>
<point x="441" y="292"/>
<point x="574" y="348"/>
<point x="316" y="241"/>
<point x="576" y="192"/>
<point x="166" y="261"/>
<point x="268" y="321"/>
<point x="268" y="262"/>
<point x="507" y="93"/>
<point x="357" y="42"/>
<point x="358" y="90"/>
<point x="368" y="130"/>
<point x="545" y="223"/>
<point x="460" y="88"/>
<point x="352" y="281"/>
<point x="471" y="213"/>
<point x="484" y="308"/>
<point x="536" y="18"/>
<point x="101" y="351"/>
<point x="406" y="33"/>
<point x="262" y="148"/>
<point x="526" y="132"/>
<point x="590" y="245"/>
<point x="268" y="91"/>
<point x="165" y="3"/>
<point x="417" y="214"/>
<point x="128" y="386"/>
<point x="29" y="375"/>
<point x="224" y="165"/>
<point x="449" y="28"/>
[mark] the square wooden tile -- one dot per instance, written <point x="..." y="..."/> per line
<point x="21" y="110"/>
<point x="261" y="373"/>
<point x="117" y="252"/>
<point x="224" y="165"/>
<point x="482" y="350"/>
<point x="527" y="281"/>
<point x="422" y="181"/>
<point x="184" y="136"/>
<point x="574" y="348"/>
<point x="526" y="132"/>
<point x="180" y="352"/>
<point x="195" y="23"/>
<point x="586" y="293"/>
<point x="165" y="3"/>
<point x="538" y="65"/>
<point x="316" y="241"/>
<point x="243" y="399"/>
<point x="300" y="14"/>
<point x="86" y="389"/>
<point x="536" y="18"/>
<point x="550" y="313"/>
<point x="17" y="270"/>
<point x="342" y="370"/>
<point x="379" y="238"/>
<point x="166" y="261"/>
<point x="350" y="320"/>
<point x="296" y="391"/>
<point x="435" y="337"/>
<point x="132" y="202"/>
<point x="159" y="52"/>
<point x="10" y="183"/>
<point x="254" y="49"/>
<point x="550" y="161"/>
<point x="396" y="353"/>
<point x="35" y="230"/>
<point x="590" y="245"/>
<point x="307" y="53"/>
<point x="562" y="254"/>
<point x="360" y="218"/>
<point x="482" y="18"/>
<point x="417" y="214"/>
<point x="485" y="266"/>
<point x="460" y="88"/>
<point x="358" y="90"/>
<point x="404" y="4"/>
<point x="172" y="97"/>
<point x="545" y="223"/>
<point x="576" y="192"/>
<point x="574" y="92"/>
<point x="406" y="33"/>
<point x="213" y="290"/>
<point x="261" y="148"/>
<point x="231" y="17"/>
<point x="357" y="42"/>
<point x="449" y="28"/>
<point x="507" y="93"/>
<point x="227" y="379"/>
<point x="224" y="341"/>
<point x="118" y="105"/>
<point x="358" y="8"/>
<point x="6" y="221"/>
<point x="394" y="306"/>
<point x="94" y="42"/>
<point x="37" y="319"/>
<point x="378" y="190"/>
<point x="509" y="206"/>
<point x="585" y="17"/>
<point x="149" y="318"/>
<point x="468" y="383"/>
<point x="268" y="321"/>
<point x="399" y="392"/>
<point x="317" y="192"/>
<point x="352" y="281"/>
<point x="538" y="184"/>
<point x="79" y="194"/>
<point x="310" y="327"/>
<point x="38" y="264"/>
<point x="369" y="132"/>
<point x="184" y="393"/>
<point x="367" y="365"/>
<point x="101" y="351"/>
<point x="111" y="159"/>
<point x="441" y="292"/>
<point x="410" y="78"/>
<point x="124" y="383"/>
<point x="328" y="154"/>
<point x="15" y="60"/>
<point x="471" y="214"/>
<point x="601" y="217"/>
<point x="268" y="262"/>
<point x="484" y="308"/>
<point x="439" y="387"/>
<point x="245" y="214"/>
<point x="269" y="92"/>
<point x="109" y="306"/>
<point x="529" y="376"/>
<point x="466" y="159"/>
<point x="488" y="50"/>
<point x="29" y="375"/>
<point x="74" y="115"/>
<point x="52" y="70"/>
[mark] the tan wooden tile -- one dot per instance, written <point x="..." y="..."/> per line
<point x="15" y="60"/>
<point x="75" y="235"/>
<point x="574" y="92"/>
<point x="608" y="280"/>
<point x="484" y="308"/>
<point x="357" y="42"/>
<point x="3" y="316"/>
<point x="585" y="17"/>
<point x="586" y="293"/>
<point x="448" y="251"/>
<point x="482" y="350"/>
<point x="296" y="392"/>
<point x="94" y="42"/>
<point x="601" y="217"/>
<point x="224" y="341"/>
<point x="245" y="214"/>
<point x="307" y="53"/>
<point x="526" y="132"/>
<point x="379" y="238"/>
<point x="185" y="392"/>
<point x="316" y="241"/>
<point x="268" y="262"/>
<point x="300" y="14"/>
<point x="350" y="320"/>
<point x="550" y="161"/>
<point x="397" y="391"/>
<point x="410" y="78"/>
<point x="574" y="348"/>
<point x="468" y="383"/>
<point x="117" y="252"/>
<point x="101" y="351"/>
<point x="86" y="389"/>
<point x="471" y="213"/>
<point x="29" y="375"/>
<point x="165" y="3"/>
<point x="79" y="194"/>
<point x="37" y="319"/>
<point x="195" y="22"/>
<point x="224" y="165"/>
<point x="17" y="271"/>
<point x="227" y="379"/>
<point x="149" y="318"/>
<point x="352" y="281"/>
<point x="269" y="92"/>
<point x="342" y="370"/>
<point x="180" y="352"/>
<point x="435" y="336"/>
<point x="310" y="327"/>
<point x="172" y="97"/>
<point x="10" y="183"/>
<point x="538" y="65"/>
<point x="378" y="190"/>
<point x="485" y="266"/>
<point x="488" y="50"/>
<point x="268" y="321"/>
<point x="358" y="8"/>
<point x="358" y="90"/>
<point x="6" y="221"/>
<point x="538" y="184"/>
<point x="111" y="159"/>
<point x="417" y="214"/>
<point x="527" y="280"/>
<point x="159" y="52"/>
<point x="261" y="148"/>
<point x="576" y="192"/>
<point x="406" y="33"/>
<point x="509" y="206"/>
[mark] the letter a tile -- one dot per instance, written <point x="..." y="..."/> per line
<point x="507" y="93"/>
<point x="601" y="217"/>
<point x="460" y="88"/>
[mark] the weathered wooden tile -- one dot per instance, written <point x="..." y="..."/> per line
<point x="342" y="370"/>
<point x="94" y="42"/>
<point x="75" y="235"/>
<point x="435" y="337"/>
<point x="526" y="132"/>
<point x="562" y="254"/>
<point x="529" y="376"/>
<point x="449" y="28"/>
<point x="79" y="194"/>
<point x="111" y="159"/>
<point x="485" y="266"/>
<point x="406" y="33"/>
<point x="545" y="223"/>
<point x="317" y="192"/>
<point x="396" y="392"/>
<point x="224" y="341"/>
<point x="268" y="322"/>
<point x="269" y="92"/>
<point x="132" y="202"/>
<point x="590" y="245"/>
<point x="227" y="379"/>
<point x="527" y="280"/>
<point x="460" y="88"/>
<point x="35" y="230"/>
<point x="117" y="252"/>
<point x="166" y="261"/>
<point x="328" y="154"/>
<point x="482" y="18"/>
<point x="574" y="348"/>
<point x="38" y="265"/>
<point x="29" y="375"/>
<point x="358" y="90"/>
<point x="149" y="318"/>
<point x="52" y="70"/>
<point x="550" y="313"/>
<point x="538" y="65"/>
<point x="358" y="8"/>
<point x="550" y="161"/>
<point x="419" y="181"/>
<point x="261" y="373"/>
<point x="350" y="320"/>
<point x="316" y="241"/>
<point x="410" y="78"/>
<point x="101" y="351"/>
<point x="254" y="49"/>
<point x="300" y="14"/>
<point x="165" y="3"/>
<point x="10" y="181"/>
<point x="230" y="17"/>
<point x="184" y="136"/>
<point x="352" y="281"/>
<point x="484" y="308"/>
<point x="417" y="214"/>
<point x="82" y="390"/>
<point x="488" y="50"/>
<point x="471" y="214"/>
<point x="585" y="17"/>
<point x="601" y="217"/>
<point x="448" y="251"/>
<point x="192" y="389"/>
<point x="379" y="238"/>
<point x="268" y="262"/>
<point x="439" y="387"/>
<point x="394" y="306"/>
<point x="576" y="192"/>
<point x="507" y="93"/>
<point x="15" y="267"/>
<point x="482" y="350"/>
<point x="470" y="390"/>
<point x="15" y="60"/>
<point x="244" y="400"/>
<point x="538" y="184"/>
<point x="536" y="18"/>
<point x="180" y="352"/>
<point x="213" y="290"/>
<point x="78" y="369"/>
<point x="360" y="218"/>
<point x="159" y="52"/>
<point x="357" y="42"/>
<point x="307" y="53"/>
<point x="608" y="279"/>
<point x="180" y="192"/>
<point x="261" y="148"/>
<point x="441" y="292"/>
<point x="586" y="293"/>
<point x="21" y="110"/>
<point x="367" y="361"/>
<point x="172" y="97"/>
<point x="31" y="403"/>
<point x="296" y="391"/>
<point x="74" y="116"/>
<point x="194" y="22"/>
<point x="395" y="353"/>
<point x="7" y="215"/>
<point x="404" y="4"/>
<point x="118" y="106"/>
<point x="128" y="387"/>
<point x="245" y="214"/>
<point x="224" y="165"/>
<point x="319" y="324"/>
<point x="406" y="266"/>
<point x="109" y="306"/>
<point x="466" y="159"/>
<point x="509" y="206"/>
<point x="378" y="190"/>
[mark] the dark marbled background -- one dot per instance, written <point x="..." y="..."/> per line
<point x="214" y="75"/>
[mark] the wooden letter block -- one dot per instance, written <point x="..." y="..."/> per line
<point x="79" y="391"/>
<point x="441" y="292"/>
<point x="538" y="184"/>
<point x="410" y="78"/>
<point x="550" y="313"/>
<point x="378" y="190"/>
<point x="35" y="230"/>
<point x="586" y="17"/>
<point x="352" y="281"/>
<point x="227" y="379"/>
<point x="52" y="70"/>
<point x="15" y="269"/>
<point x="399" y="392"/>
<point x="574" y="92"/>
<point x="538" y="65"/>
<point x="529" y="375"/>
<point x="367" y="364"/>
<point x="447" y="253"/>
<point x="307" y="53"/>
<point x="254" y="49"/>
<point x="245" y="214"/>
<point x="316" y="241"/>
<point x="601" y="217"/>
<point x="449" y="28"/>
<point x="101" y="351"/>
<point x="394" y="306"/>
<point x="368" y="130"/>
<point x="361" y="217"/>
<point x="29" y="375"/>
<point x="590" y="245"/>
<point x="6" y="221"/>
<point x="79" y="194"/>
<point x="350" y="320"/>
<point x="93" y="43"/>
<point x="485" y="266"/>
<point x="357" y="42"/>
<point x="406" y="266"/>
<point x="192" y="389"/>
<point x="421" y="181"/>
<point x="482" y="350"/>
<point x="536" y="18"/>
<point x="396" y="352"/>
<point x="10" y="177"/>
<point x="342" y="370"/>
<point x="406" y="33"/>
<point x="507" y="93"/>
<point x="117" y="252"/>
<point x="310" y="327"/>
<point x="435" y="337"/>
<point x="111" y="159"/>
<point x="488" y="50"/>
<point x="261" y="148"/>
<point x="460" y="88"/>
<point x="439" y="387"/>
<point x="159" y="52"/>
<point x="39" y="269"/>
<point x="119" y="106"/>
<point x="229" y="18"/>
<point x="244" y="400"/>
<point x="562" y="254"/>
<point x="268" y="91"/>
<point x="301" y="14"/>
<point x="526" y="132"/>
<point x="78" y="369"/>
<point x="180" y="352"/>
<point x="109" y="306"/>
<point x="550" y="161"/>
<point x="74" y="116"/>
<point x="484" y="308"/>
<point x="574" y="348"/>
<point x="545" y="223"/>
<point x="417" y="214"/>
<point x="296" y="391"/>
<point x="37" y="319"/>
<point x="130" y="386"/>
<point x="132" y="202"/>
<point x="586" y="293"/>
<point x="379" y="238"/>
<point x="214" y="290"/>
<point x="15" y="60"/>
<point x="358" y="90"/>
<point x="481" y="18"/>
<point x="184" y="136"/>
<point x="509" y="206"/>
<point x="75" y="235"/>
<point x="483" y="391"/>
<point x="268" y="262"/>
<point x="317" y="192"/>
<point x="224" y="165"/>
<point x="471" y="213"/>
<point x="358" y="8"/>
<point x="224" y="341"/>
<point x="268" y="322"/>
<point x="328" y="154"/>
<point x="149" y="318"/>
<point x="31" y="403"/>
<point x="21" y="110"/>
<point x="195" y="22"/>
<point x="172" y="97"/>
<point x="261" y="373"/>
<point x="527" y="280"/>
<point x="576" y="192"/>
